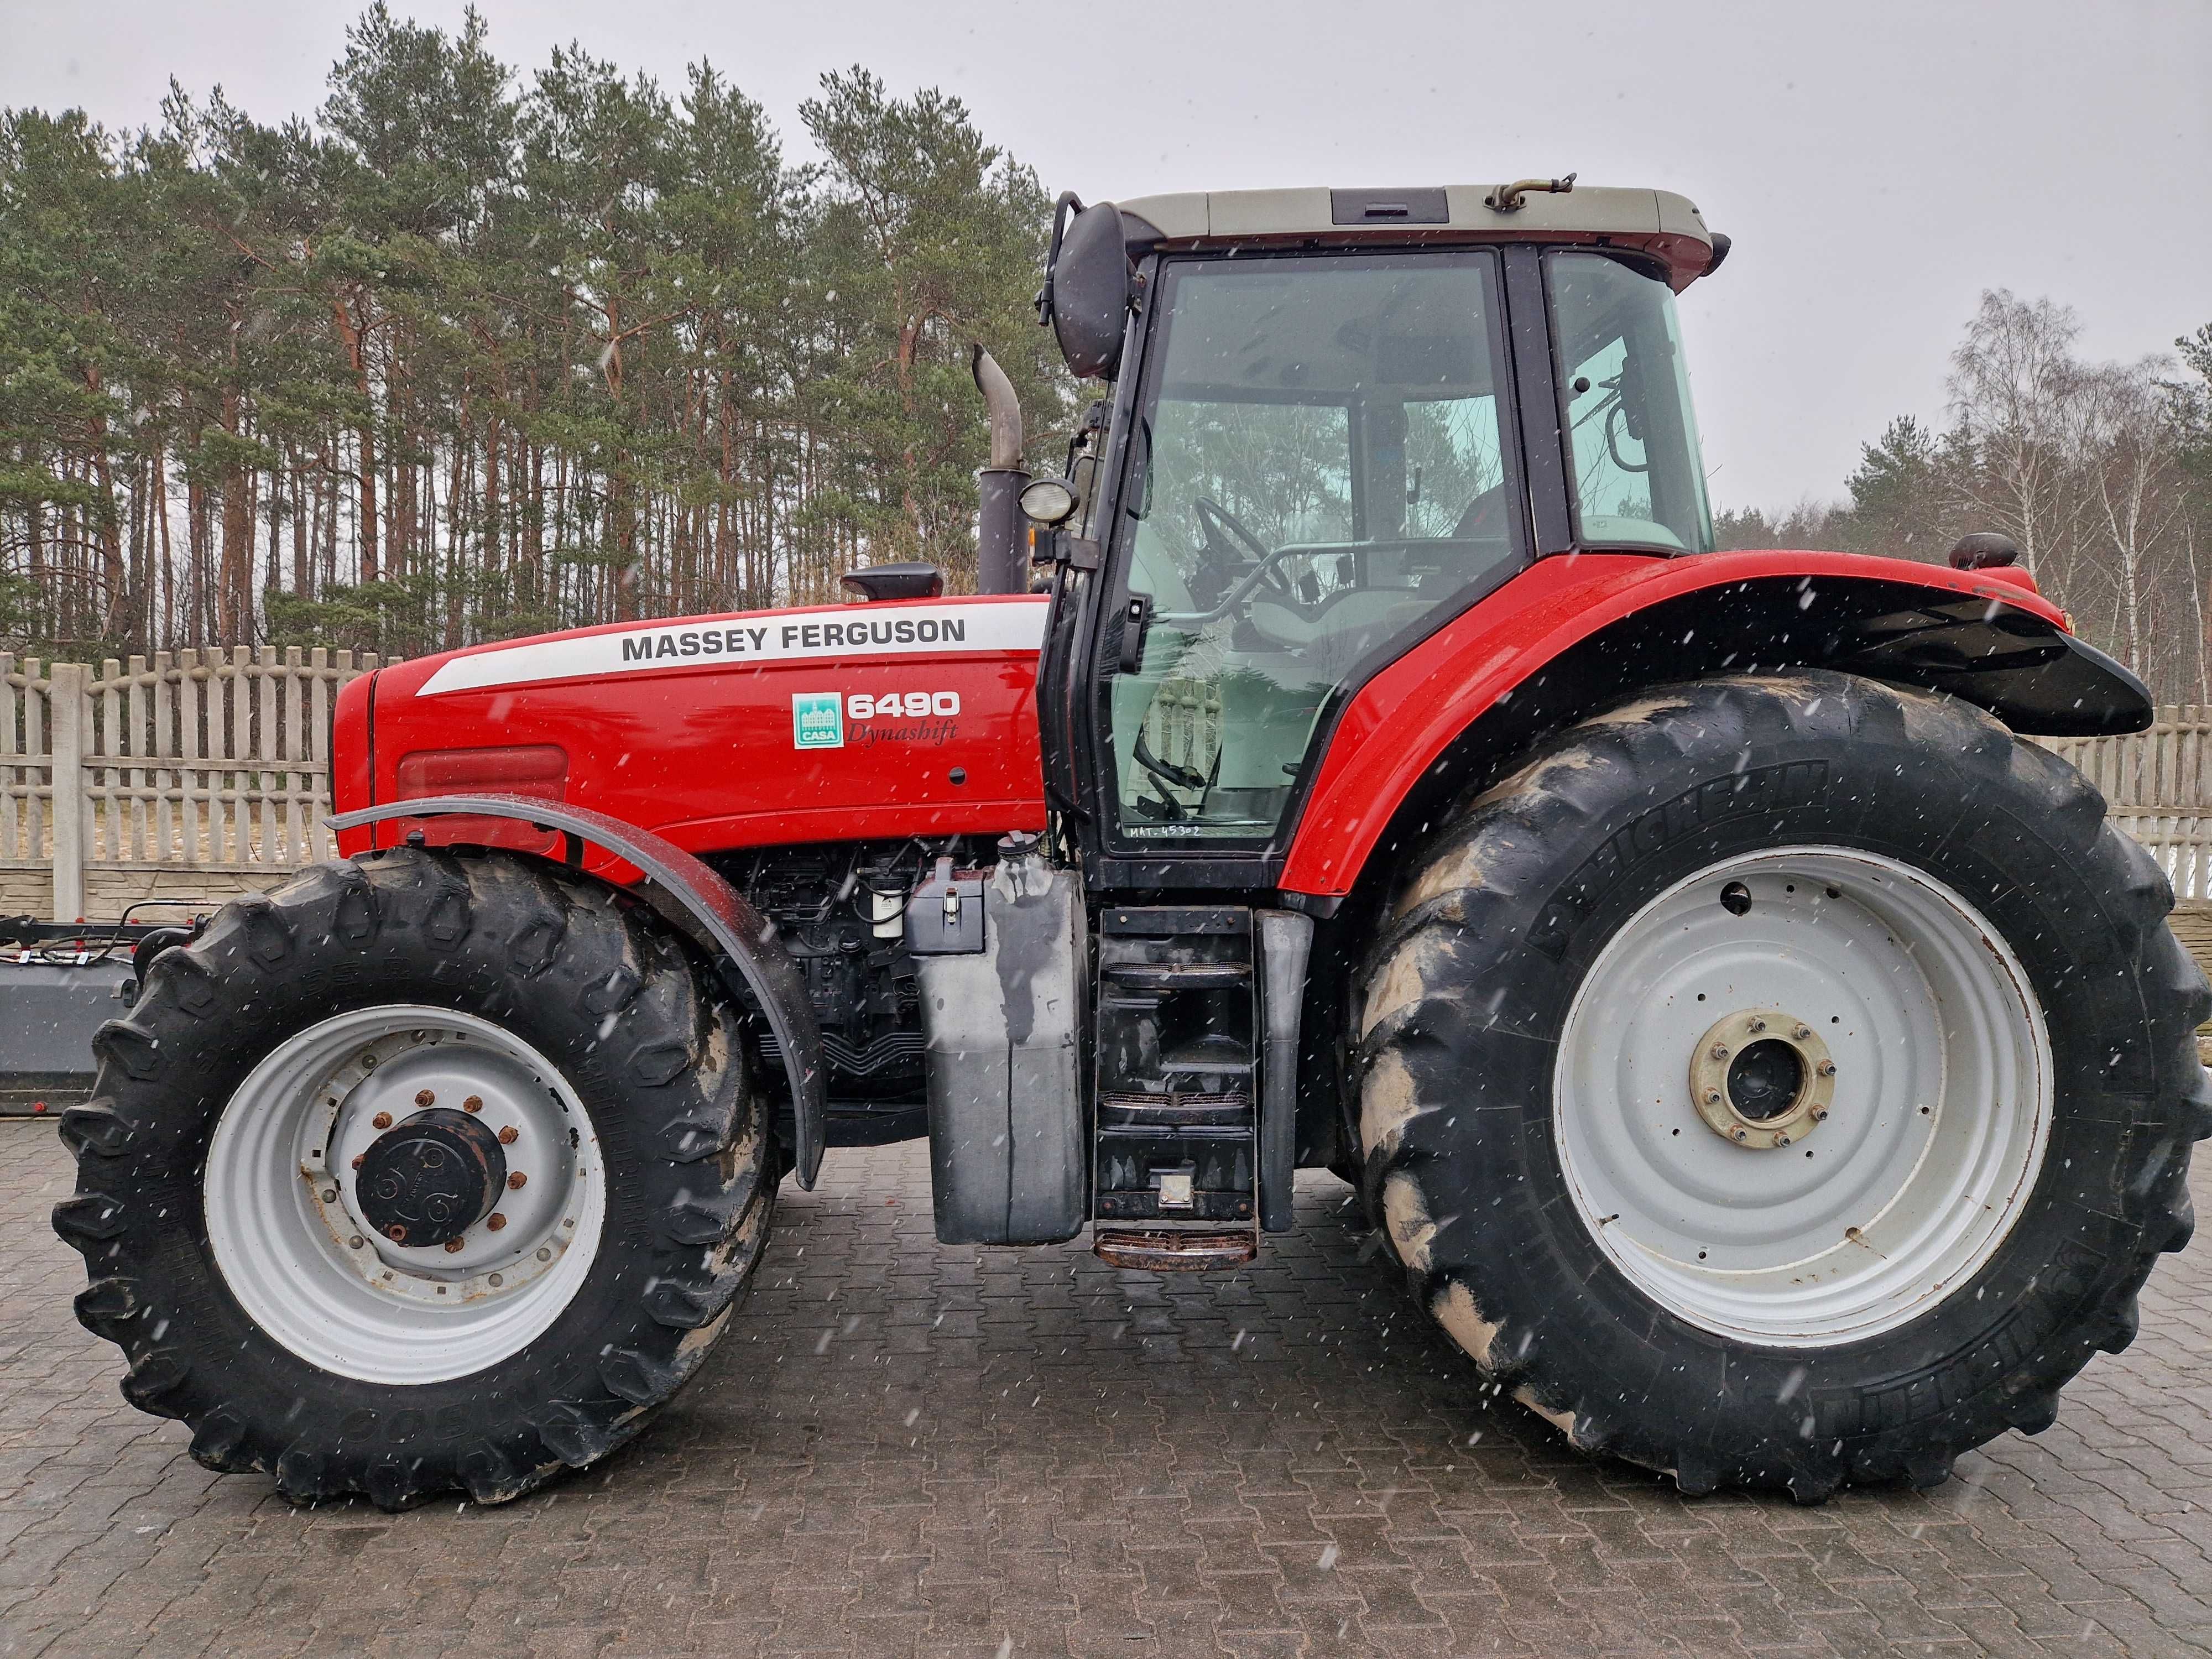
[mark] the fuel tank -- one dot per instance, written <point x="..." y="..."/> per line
<point x="755" y="729"/>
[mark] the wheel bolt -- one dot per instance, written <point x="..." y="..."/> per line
<point x="1712" y="1097"/>
<point x="382" y="1121"/>
<point x="1827" y="1069"/>
<point x="1720" y="1051"/>
<point x="507" y="1136"/>
<point x="424" y="1097"/>
<point x="453" y="1247"/>
<point x="1801" y="1032"/>
<point x="1819" y="1115"/>
<point x="1756" y="1024"/>
<point x="517" y="1181"/>
<point x="1742" y="1134"/>
<point x="1782" y="1140"/>
<point x="496" y="1221"/>
<point x="473" y="1104"/>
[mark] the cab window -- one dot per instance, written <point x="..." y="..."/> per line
<point x="1625" y="394"/>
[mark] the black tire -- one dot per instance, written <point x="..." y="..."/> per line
<point x="1473" y="974"/>
<point x="597" y="985"/>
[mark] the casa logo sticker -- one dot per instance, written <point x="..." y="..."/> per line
<point x="817" y="720"/>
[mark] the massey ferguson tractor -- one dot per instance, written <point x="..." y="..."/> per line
<point x="1763" y="1063"/>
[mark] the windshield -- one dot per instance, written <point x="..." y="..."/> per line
<point x="1320" y="468"/>
<point x="1636" y="475"/>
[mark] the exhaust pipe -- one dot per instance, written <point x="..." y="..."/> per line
<point x="1002" y="561"/>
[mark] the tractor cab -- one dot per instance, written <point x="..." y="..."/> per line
<point x="1338" y="420"/>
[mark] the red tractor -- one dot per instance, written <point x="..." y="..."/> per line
<point x="1764" y="1063"/>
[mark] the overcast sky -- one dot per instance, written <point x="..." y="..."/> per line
<point x="1878" y="164"/>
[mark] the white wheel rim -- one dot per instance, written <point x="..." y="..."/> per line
<point x="1941" y="1104"/>
<point x="286" y="1233"/>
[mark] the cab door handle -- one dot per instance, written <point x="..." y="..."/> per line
<point x="1136" y="618"/>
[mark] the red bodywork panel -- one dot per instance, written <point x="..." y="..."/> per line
<point x="1401" y="720"/>
<point x="691" y="728"/>
<point x="703" y="747"/>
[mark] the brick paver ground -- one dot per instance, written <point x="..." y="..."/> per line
<point x="912" y="1449"/>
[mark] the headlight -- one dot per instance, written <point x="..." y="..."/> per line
<point x="1049" y="501"/>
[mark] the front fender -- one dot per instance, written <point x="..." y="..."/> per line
<point x="1572" y="634"/>
<point x="693" y="897"/>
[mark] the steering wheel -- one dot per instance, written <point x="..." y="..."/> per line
<point x="1216" y="523"/>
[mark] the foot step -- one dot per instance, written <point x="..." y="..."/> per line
<point x="1160" y="1251"/>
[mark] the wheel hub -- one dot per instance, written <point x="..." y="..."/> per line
<point x="431" y="1177"/>
<point x="1762" y="1079"/>
<point x="1872" y="1003"/>
<point x="344" y="1137"/>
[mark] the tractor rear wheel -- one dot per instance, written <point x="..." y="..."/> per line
<point x="1782" y="1082"/>
<point x="425" y="1171"/>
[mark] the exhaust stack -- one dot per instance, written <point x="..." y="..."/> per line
<point x="1001" y="549"/>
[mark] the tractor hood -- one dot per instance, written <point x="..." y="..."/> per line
<point x="751" y="729"/>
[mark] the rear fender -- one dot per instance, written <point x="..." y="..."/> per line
<point x="1574" y="634"/>
<point x="692" y="897"/>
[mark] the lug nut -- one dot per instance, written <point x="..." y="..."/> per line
<point x="494" y="1221"/>
<point x="507" y="1136"/>
<point x="1756" y="1024"/>
<point x="1712" y="1097"/>
<point x="1826" y="1068"/>
<point x="382" y="1121"/>
<point x="453" y="1247"/>
<point x="1742" y="1134"/>
<point x="1819" y="1115"/>
<point x="473" y="1104"/>
<point x="517" y="1181"/>
<point x="1800" y="1032"/>
<point x="424" y="1097"/>
<point x="1720" y="1051"/>
<point x="1782" y="1140"/>
<point x="360" y="1159"/>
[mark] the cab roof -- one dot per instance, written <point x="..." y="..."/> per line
<point x="1657" y="222"/>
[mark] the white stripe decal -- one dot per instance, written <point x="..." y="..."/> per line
<point x="840" y="633"/>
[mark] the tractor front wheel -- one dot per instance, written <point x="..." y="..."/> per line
<point x="423" y="1172"/>
<point x="1784" y="1082"/>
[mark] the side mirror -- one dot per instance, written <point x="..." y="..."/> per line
<point x="1086" y="287"/>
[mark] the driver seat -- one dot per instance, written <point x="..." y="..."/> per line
<point x="1348" y="625"/>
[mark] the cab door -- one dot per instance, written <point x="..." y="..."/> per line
<point x="1314" y="461"/>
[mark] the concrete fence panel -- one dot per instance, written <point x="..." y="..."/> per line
<point x="195" y="773"/>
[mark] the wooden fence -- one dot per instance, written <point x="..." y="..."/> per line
<point x="2157" y="787"/>
<point x="204" y="762"/>
<point x="216" y="764"/>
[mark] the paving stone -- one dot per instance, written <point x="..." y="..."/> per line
<point x="1031" y="1447"/>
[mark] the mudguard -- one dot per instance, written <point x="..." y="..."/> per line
<point x="693" y="897"/>
<point x="1571" y="634"/>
